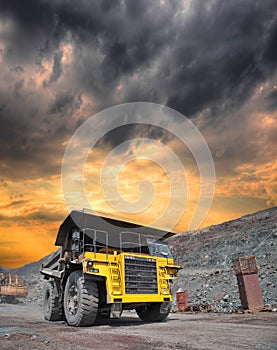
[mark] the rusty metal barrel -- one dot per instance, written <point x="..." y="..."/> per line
<point x="182" y="300"/>
<point x="246" y="270"/>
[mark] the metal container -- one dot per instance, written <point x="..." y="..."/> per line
<point x="245" y="265"/>
<point x="182" y="300"/>
<point x="16" y="291"/>
<point x="246" y="270"/>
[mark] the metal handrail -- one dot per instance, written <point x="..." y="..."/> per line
<point x="122" y="242"/>
<point x="94" y="240"/>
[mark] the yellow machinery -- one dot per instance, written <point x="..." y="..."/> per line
<point x="105" y="266"/>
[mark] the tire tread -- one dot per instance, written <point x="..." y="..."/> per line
<point x="88" y="307"/>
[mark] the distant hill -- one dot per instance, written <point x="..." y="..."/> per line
<point x="26" y="270"/>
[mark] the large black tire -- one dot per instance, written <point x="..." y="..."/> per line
<point x="80" y="300"/>
<point x="52" y="307"/>
<point x="154" y="312"/>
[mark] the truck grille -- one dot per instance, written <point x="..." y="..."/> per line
<point x="140" y="275"/>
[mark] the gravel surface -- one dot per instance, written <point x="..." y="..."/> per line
<point x="23" y="327"/>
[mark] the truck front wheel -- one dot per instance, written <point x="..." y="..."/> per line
<point x="154" y="312"/>
<point x="80" y="300"/>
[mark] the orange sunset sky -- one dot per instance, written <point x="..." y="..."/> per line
<point x="215" y="62"/>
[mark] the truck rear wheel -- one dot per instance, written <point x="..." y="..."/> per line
<point x="52" y="307"/>
<point x="154" y="312"/>
<point x="80" y="300"/>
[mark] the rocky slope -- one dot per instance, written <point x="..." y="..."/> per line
<point x="206" y="255"/>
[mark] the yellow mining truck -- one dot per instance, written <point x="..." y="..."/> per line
<point x="105" y="266"/>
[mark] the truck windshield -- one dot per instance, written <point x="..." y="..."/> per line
<point x="158" y="248"/>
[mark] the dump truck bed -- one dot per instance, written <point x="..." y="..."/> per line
<point x="84" y="219"/>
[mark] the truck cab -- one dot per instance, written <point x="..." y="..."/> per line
<point x="104" y="266"/>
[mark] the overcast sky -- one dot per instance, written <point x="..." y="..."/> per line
<point x="61" y="61"/>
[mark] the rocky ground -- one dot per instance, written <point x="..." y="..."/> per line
<point x="207" y="256"/>
<point x="23" y="327"/>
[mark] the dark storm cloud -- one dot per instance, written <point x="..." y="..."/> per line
<point x="222" y="50"/>
<point x="271" y="101"/>
<point x="195" y="56"/>
<point x="57" y="67"/>
<point x="66" y="102"/>
<point x="217" y="52"/>
<point x="130" y="132"/>
<point x="270" y="54"/>
<point x="214" y="59"/>
<point x="31" y="24"/>
<point x="114" y="40"/>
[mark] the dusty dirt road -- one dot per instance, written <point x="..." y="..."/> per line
<point x="23" y="327"/>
